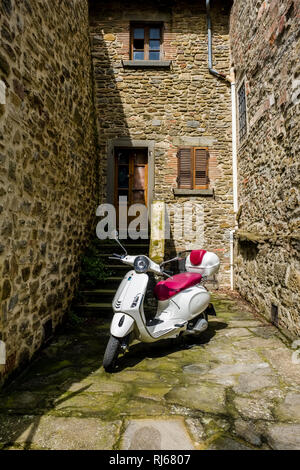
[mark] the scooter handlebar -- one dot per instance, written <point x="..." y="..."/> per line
<point x="129" y="260"/>
<point x="116" y="256"/>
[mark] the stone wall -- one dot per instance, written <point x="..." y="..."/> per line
<point x="265" y="53"/>
<point x="168" y="108"/>
<point x="47" y="166"/>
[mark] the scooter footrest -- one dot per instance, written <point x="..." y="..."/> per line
<point x="180" y="325"/>
<point x="157" y="334"/>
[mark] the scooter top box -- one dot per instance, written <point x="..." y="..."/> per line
<point x="202" y="262"/>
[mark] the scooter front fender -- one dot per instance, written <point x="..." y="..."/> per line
<point x="121" y="325"/>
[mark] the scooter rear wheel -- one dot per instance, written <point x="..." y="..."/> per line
<point x="111" y="354"/>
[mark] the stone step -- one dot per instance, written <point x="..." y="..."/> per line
<point x="125" y="241"/>
<point x="134" y="243"/>
<point x="110" y="283"/>
<point x="100" y="309"/>
<point x="97" y="301"/>
<point x="111" y="279"/>
<point x="118" y="267"/>
<point x="98" y="295"/>
<point x="138" y="248"/>
<point x="94" y="309"/>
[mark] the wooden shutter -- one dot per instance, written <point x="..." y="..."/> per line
<point x="185" y="168"/>
<point x="201" y="168"/>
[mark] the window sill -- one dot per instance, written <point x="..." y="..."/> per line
<point x="194" y="192"/>
<point x="146" y="63"/>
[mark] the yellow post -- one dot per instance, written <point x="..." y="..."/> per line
<point x="157" y="234"/>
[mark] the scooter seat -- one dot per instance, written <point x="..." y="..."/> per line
<point x="171" y="286"/>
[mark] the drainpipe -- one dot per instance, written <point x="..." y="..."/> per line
<point x="234" y="175"/>
<point x="230" y="79"/>
<point x="231" y="242"/>
<point x="209" y="38"/>
<point x="234" y="148"/>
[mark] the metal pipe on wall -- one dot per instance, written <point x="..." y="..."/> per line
<point x="209" y="39"/>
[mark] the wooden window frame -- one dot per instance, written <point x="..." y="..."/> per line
<point x="146" y="26"/>
<point x="193" y="166"/>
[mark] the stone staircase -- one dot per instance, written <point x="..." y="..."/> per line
<point x="97" y="302"/>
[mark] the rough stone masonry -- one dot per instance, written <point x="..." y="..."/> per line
<point x="49" y="162"/>
<point x="265" y="54"/>
<point x="168" y="108"/>
<point x="47" y="167"/>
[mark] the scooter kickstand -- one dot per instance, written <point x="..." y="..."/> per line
<point x="181" y="342"/>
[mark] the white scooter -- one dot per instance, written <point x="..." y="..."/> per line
<point x="183" y="302"/>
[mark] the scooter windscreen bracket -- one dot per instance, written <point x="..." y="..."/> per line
<point x="115" y="236"/>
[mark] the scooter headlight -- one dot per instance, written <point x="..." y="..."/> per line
<point x="141" y="264"/>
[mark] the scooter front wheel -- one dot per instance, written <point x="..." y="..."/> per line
<point x="111" y="354"/>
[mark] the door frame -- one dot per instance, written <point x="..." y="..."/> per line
<point x="130" y="169"/>
<point x="126" y="142"/>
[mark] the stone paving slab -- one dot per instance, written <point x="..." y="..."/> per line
<point x="281" y="359"/>
<point x="253" y="408"/>
<point x="227" y="443"/>
<point x="55" y="433"/>
<point x="206" y="397"/>
<point x="284" y="436"/>
<point x="250" y="432"/>
<point x="235" y="387"/>
<point x="156" y="434"/>
<point x="289" y="410"/>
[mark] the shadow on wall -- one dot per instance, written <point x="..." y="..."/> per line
<point x="58" y="373"/>
<point x="47" y="168"/>
<point x="110" y="114"/>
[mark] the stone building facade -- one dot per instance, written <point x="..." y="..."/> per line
<point x="47" y="167"/>
<point x="167" y="105"/>
<point x="267" y="251"/>
<point x="72" y="97"/>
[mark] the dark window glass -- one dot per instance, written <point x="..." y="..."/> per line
<point x="154" y="44"/>
<point x="153" y="55"/>
<point x="242" y="112"/>
<point x="123" y="177"/>
<point x="146" y="42"/>
<point x="154" y="33"/>
<point x="138" y="33"/>
<point x="123" y="158"/>
<point x="138" y="55"/>
<point x="138" y="44"/>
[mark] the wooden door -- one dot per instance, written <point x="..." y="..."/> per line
<point x="131" y="176"/>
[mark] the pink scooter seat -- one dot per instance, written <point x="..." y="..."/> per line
<point x="171" y="286"/>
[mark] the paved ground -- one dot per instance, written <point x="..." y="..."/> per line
<point x="237" y="388"/>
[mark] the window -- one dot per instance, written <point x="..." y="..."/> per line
<point x="146" y="41"/>
<point x="193" y="168"/>
<point x="242" y="112"/>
